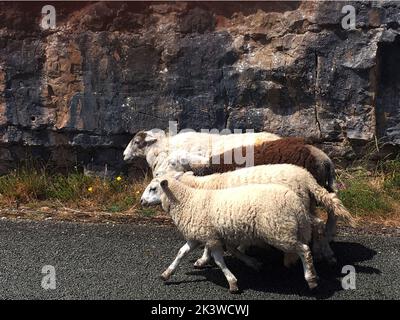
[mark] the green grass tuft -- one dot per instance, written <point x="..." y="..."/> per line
<point x="360" y="198"/>
<point x="363" y="192"/>
<point x="30" y="186"/>
<point x="122" y="204"/>
<point x="371" y="192"/>
<point x="147" y="212"/>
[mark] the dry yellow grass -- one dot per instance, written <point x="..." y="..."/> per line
<point x="372" y="196"/>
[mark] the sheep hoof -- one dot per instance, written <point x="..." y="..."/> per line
<point x="165" y="275"/>
<point x="200" y="264"/>
<point x="163" y="278"/>
<point x="312" y="283"/>
<point x="234" y="289"/>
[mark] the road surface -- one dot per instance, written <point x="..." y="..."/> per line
<point x="105" y="261"/>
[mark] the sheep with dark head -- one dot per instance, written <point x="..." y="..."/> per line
<point x="285" y="150"/>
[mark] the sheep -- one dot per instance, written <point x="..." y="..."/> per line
<point x="250" y="214"/>
<point x="289" y="150"/>
<point x="285" y="150"/>
<point x="266" y="148"/>
<point x="297" y="179"/>
<point x="155" y="146"/>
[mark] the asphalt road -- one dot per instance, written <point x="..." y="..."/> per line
<point x="100" y="261"/>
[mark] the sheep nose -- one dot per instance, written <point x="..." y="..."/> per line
<point x="142" y="202"/>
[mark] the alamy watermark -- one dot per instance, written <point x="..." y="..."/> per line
<point x="48" y="17"/>
<point x="240" y="154"/>
<point x="49" y="278"/>
<point x="349" y="20"/>
<point x="48" y="21"/>
<point x="349" y="280"/>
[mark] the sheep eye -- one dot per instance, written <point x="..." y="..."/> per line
<point x="153" y="189"/>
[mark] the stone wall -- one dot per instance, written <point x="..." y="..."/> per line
<point x="74" y="96"/>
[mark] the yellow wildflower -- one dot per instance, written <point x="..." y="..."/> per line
<point x="90" y="189"/>
<point x="119" y="178"/>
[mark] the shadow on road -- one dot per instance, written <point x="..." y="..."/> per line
<point x="275" y="278"/>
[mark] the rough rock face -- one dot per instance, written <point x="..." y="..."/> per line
<point x="74" y="96"/>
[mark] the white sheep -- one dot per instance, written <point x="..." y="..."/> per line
<point x="297" y="179"/>
<point x="155" y="145"/>
<point x="251" y="214"/>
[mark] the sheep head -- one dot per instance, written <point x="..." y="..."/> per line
<point x="181" y="161"/>
<point x="153" y="193"/>
<point x="158" y="192"/>
<point x="139" y="144"/>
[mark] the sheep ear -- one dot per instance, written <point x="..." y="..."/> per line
<point x="141" y="134"/>
<point x="178" y="175"/>
<point x="198" y="162"/>
<point x="164" y="184"/>
<point x="172" y="162"/>
<point x="150" y="137"/>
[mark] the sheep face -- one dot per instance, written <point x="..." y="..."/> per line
<point x="137" y="147"/>
<point x="180" y="161"/>
<point x="173" y="163"/>
<point x="152" y="194"/>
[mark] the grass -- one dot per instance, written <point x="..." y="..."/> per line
<point x="33" y="187"/>
<point x="392" y="181"/>
<point x="148" y="212"/>
<point x="372" y="192"/>
<point x="360" y="198"/>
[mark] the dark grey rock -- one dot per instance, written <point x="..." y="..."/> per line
<point x="75" y="95"/>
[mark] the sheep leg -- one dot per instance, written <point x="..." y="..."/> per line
<point x="205" y="258"/>
<point x="310" y="275"/>
<point x="186" y="248"/>
<point x="331" y="226"/>
<point x="239" y="253"/>
<point x="317" y="238"/>
<point x="327" y="253"/>
<point x="217" y="253"/>
<point x="321" y="249"/>
<point x="249" y="261"/>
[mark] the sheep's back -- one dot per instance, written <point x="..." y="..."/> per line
<point x="294" y="177"/>
<point x="286" y="150"/>
<point x="256" y="212"/>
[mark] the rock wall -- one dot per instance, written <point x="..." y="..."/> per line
<point x="74" y="95"/>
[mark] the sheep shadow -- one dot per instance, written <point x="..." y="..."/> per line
<point x="275" y="278"/>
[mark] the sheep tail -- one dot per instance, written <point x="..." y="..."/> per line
<point x="334" y="207"/>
